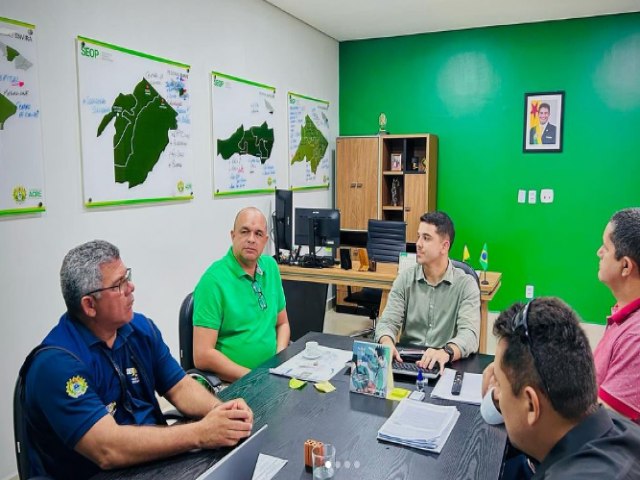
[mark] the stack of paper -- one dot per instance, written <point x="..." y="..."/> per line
<point x="419" y="425"/>
<point x="471" y="388"/>
<point x="320" y="368"/>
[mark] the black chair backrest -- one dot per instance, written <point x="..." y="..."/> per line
<point x="28" y="458"/>
<point x="185" y="332"/>
<point x="386" y="240"/>
<point x="20" y="430"/>
<point x="467" y="269"/>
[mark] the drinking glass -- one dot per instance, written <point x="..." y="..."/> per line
<point x="324" y="460"/>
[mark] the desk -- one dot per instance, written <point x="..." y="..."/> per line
<point x="487" y="292"/>
<point x="348" y="420"/>
<point x="383" y="279"/>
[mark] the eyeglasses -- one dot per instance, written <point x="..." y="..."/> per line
<point x="121" y="285"/>
<point x="521" y="320"/>
<point x="258" y="291"/>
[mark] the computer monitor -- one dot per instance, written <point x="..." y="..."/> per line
<point x="282" y="221"/>
<point x="317" y="227"/>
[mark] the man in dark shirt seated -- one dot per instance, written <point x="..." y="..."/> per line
<point x="90" y="386"/>
<point x="546" y="390"/>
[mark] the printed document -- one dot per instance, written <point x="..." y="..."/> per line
<point x="320" y="368"/>
<point x="471" y="387"/>
<point x="420" y="425"/>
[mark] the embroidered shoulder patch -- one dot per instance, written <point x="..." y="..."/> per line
<point x="76" y="386"/>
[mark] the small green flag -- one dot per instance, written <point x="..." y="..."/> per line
<point x="484" y="258"/>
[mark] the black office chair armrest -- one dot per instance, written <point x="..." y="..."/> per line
<point x="174" y="414"/>
<point x="207" y="379"/>
<point x="366" y="295"/>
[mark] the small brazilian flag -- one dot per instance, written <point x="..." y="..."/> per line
<point x="465" y="254"/>
<point x="484" y="258"/>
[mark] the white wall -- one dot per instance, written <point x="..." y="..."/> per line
<point x="168" y="246"/>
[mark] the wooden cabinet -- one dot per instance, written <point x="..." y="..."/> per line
<point x="389" y="177"/>
<point x="357" y="172"/>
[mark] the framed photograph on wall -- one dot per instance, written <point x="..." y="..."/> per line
<point x="543" y="122"/>
<point x="396" y="161"/>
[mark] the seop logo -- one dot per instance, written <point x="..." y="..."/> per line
<point x="89" y="52"/>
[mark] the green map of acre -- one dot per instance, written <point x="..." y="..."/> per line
<point x="313" y="145"/>
<point x="256" y="141"/>
<point x="7" y="107"/>
<point x="143" y="121"/>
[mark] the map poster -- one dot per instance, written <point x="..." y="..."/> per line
<point x="21" y="158"/>
<point x="243" y="136"/>
<point x="309" y="156"/>
<point x="135" y="126"/>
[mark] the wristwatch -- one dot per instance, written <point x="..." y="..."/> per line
<point x="449" y="350"/>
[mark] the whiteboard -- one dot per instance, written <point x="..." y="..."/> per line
<point x="245" y="140"/>
<point x="21" y="159"/>
<point x="135" y="126"/>
<point x="309" y="155"/>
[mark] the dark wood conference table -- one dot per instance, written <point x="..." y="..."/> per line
<point x="349" y="421"/>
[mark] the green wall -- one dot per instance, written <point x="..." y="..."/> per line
<point x="468" y="88"/>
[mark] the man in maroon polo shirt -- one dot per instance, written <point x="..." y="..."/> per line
<point x="617" y="356"/>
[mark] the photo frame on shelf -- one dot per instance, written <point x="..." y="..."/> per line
<point x="396" y="162"/>
<point x="543" y="122"/>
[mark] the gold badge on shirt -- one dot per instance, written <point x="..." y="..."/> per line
<point x="76" y="386"/>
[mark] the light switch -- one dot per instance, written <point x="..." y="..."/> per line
<point x="528" y="291"/>
<point x="533" y="196"/>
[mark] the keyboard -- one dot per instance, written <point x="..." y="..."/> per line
<point x="410" y="369"/>
<point x="309" y="261"/>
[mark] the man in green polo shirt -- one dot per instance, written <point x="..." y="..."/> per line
<point x="239" y="316"/>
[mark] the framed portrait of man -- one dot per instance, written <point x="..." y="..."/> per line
<point x="543" y="122"/>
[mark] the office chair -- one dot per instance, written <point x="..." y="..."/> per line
<point x="20" y="430"/>
<point x="386" y="240"/>
<point x="185" y="333"/>
<point x="20" y="436"/>
<point x="468" y="269"/>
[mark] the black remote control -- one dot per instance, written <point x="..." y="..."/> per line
<point x="457" y="383"/>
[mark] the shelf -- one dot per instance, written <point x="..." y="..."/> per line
<point x="414" y="191"/>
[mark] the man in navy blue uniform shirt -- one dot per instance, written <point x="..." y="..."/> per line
<point x="90" y="386"/>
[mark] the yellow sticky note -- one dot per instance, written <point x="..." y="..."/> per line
<point x="398" y="394"/>
<point x="325" y="387"/>
<point x="295" y="383"/>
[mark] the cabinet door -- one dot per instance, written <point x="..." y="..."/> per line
<point x="356" y="181"/>
<point x="415" y="203"/>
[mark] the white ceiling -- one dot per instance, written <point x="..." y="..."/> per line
<point x="359" y="19"/>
